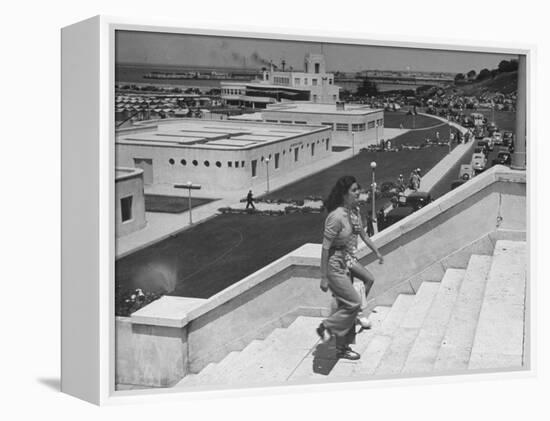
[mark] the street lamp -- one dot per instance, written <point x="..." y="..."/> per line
<point x="189" y="186"/>
<point x="267" y="169"/>
<point x="374" y="225"/>
<point x="352" y="143"/>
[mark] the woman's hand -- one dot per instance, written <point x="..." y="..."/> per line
<point x="380" y="257"/>
<point x="324" y="284"/>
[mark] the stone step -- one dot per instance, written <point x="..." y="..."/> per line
<point x="382" y="337"/>
<point x="456" y="345"/>
<point x="270" y="360"/>
<point x="322" y="362"/>
<point x="403" y="339"/>
<point x="499" y="337"/>
<point x="424" y="351"/>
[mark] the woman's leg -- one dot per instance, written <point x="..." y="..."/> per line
<point x="342" y="322"/>
<point x="360" y="272"/>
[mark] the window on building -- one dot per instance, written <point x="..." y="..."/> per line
<point x="360" y="127"/>
<point x="171" y="161"/>
<point x="276" y="161"/>
<point x="126" y="208"/>
<point x="271" y="121"/>
<point x="300" y="122"/>
<point x="331" y="125"/>
<point x="254" y="163"/>
<point x="286" y="121"/>
<point x="317" y="67"/>
<point x="195" y="162"/>
<point x="242" y="164"/>
<point x="370" y="124"/>
<point x="330" y="83"/>
<point x="296" y="151"/>
<point x="305" y="81"/>
<point x="334" y="97"/>
<point x="218" y="164"/>
<point x="296" y="81"/>
<point x="326" y="140"/>
<point x="236" y="164"/>
<point x="312" y="149"/>
<point x="206" y="163"/>
<point x="342" y="127"/>
<point x="314" y="98"/>
<point x="230" y="164"/>
<point x="183" y="162"/>
<point x="314" y="82"/>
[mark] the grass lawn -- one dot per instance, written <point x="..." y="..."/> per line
<point x="171" y="204"/>
<point x="389" y="166"/>
<point x="393" y="120"/>
<point x="205" y="259"/>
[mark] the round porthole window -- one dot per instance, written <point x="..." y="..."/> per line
<point x="218" y="164"/>
<point x="195" y="162"/>
<point x="206" y="163"/>
<point x="171" y="161"/>
<point x="183" y="162"/>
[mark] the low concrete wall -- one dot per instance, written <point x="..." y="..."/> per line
<point x="418" y="248"/>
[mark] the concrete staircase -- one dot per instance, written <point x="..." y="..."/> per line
<point x="473" y="319"/>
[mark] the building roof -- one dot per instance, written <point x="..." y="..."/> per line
<point x="318" y="108"/>
<point x="212" y="134"/>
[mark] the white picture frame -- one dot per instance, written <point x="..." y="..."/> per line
<point x="88" y="167"/>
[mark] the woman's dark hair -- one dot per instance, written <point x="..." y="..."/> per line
<point x="336" y="196"/>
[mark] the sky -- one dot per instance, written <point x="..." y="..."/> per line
<point x="223" y="51"/>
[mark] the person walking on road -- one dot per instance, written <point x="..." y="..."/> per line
<point x="250" y="200"/>
<point x="338" y="237"/>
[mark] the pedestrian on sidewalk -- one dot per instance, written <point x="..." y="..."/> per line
<point x="342" y="226"/>
<point x="401" y="183"/>
<point x="250" y="200"/>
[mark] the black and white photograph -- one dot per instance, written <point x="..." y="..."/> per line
<point x="300" y="211"/>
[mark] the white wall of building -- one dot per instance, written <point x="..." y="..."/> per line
<point x="217" y="169"/>
<point x="368" y="128"/>
<point x="129" y="189"/>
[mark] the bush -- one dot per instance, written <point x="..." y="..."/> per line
<point x="128" y="301"/>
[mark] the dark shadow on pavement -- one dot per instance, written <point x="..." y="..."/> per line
<point x="324" y="358"/>
<point x="52" y="383"/>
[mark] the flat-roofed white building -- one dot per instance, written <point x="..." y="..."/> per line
<point x="314" y="85"/>
<point x="351" y="125"/>
<point x="129" y="200"/>
<point x="219" y="155"/>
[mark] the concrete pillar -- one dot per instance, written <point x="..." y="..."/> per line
<point x="520" y="142"/>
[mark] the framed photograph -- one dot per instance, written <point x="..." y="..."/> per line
<point x="252" y="210"/>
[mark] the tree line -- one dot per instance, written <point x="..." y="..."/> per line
<point x="505" y="66"/>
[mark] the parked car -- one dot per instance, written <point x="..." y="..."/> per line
<point x="497" y="138"/>
<point x="466" y="172"/>
<point x="406" y="205"/>
<point x="418" y="199"/>
<point x="491" y="128"/>
<point x="479" y="162"/>
<point x="503" y="158"/>
<point x="507" y="138"/>
<point x="486" y="142"/>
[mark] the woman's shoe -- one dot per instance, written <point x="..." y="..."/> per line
<point x="324" y="333"/>
<point x="347" y="354"/>
<point x="364" y="322"/>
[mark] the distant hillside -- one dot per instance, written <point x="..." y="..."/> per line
<point x="504" y="83"/>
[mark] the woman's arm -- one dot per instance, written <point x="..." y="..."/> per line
<point x="324" y="265"/>
<point x="371" y="245"/>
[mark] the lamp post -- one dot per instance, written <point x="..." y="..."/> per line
<point x="267" y="170"/>
<point x="352" y="143"/>
<point x="189" y="186"/>
<point x="374" y="225"/>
